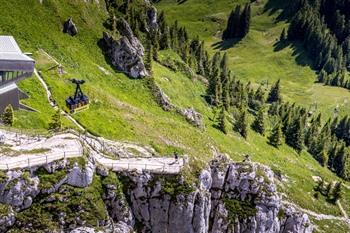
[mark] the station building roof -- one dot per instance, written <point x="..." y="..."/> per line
<point x="12" y="58"/>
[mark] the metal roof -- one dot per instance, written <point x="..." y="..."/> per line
<point x="12" y="58"/>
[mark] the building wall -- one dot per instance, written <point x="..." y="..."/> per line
<point x="9" y="97"/>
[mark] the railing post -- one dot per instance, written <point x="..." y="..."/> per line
<point x="46" y="159"/>
<point x="128" y="166"/>
<point x="7" y="166"/>
<point x="146" y="167"/>
<point x="64" y="155"/>
<point x="28" y="163"/>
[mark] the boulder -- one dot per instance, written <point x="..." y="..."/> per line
<point x="192" y="117"/>
<point x="126" y="54"/>
<point x="69" y="27"/>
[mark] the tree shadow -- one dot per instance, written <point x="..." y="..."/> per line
<point x="226" y="44"/>
<point x="275" y="6"/>
<point x="299" y="53"/>
<point x="280" y="45"/>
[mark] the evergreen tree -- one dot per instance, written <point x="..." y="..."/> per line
<point x="56" y="124"/>
<point x="294" y="135"/>
<point x="241" y="125"/>
<point x="148" y="55"/>
<point x="164" y="42"/>
<point x="275" y="138"/>
<point x="275" y="93"/>
<point x="8" y="116"/>
<point x="222" y="121"/>
<point x="258" y="124"/>
<point x="336" y="191"/>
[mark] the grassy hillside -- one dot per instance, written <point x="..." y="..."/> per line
<point x="259" y="57"/>
<point x="124" y="109"/>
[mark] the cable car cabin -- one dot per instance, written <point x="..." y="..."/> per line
<point x="79" y="101"/>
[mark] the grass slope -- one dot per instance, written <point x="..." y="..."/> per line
<point x="124" y="109"/>
<point x="259" y="57"/>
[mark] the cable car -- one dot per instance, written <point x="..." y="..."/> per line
<point x="79" y="101"/>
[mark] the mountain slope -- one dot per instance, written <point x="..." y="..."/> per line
<point x="124" y="109"/>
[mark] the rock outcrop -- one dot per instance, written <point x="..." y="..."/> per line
<point x="7" y="219"/>
<point x="233" y="197"/>
<point x="193" y="117"/>
<point x="229" y="197"/>
<point x="69" y="27"/>
<point x="19" y="190"/>
<point x="152" y="19"/>
<point x="126" y="54"/>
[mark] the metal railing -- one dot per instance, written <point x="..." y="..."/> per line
<point x="39" y="160"/>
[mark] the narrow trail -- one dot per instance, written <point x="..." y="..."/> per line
<point x="318" y="216"/>
<point x="342" y="209"/>
<point x="52" y="102"/>
<point x="71" y="144"/>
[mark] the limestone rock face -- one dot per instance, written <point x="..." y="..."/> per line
<point x="7" y="220"/>
<point x="244" y="183"/>
<point x="126" y="54"/>
<point x="18" y="191"/>
<point x="118" y="209"/>
<point x="81" y="178"/>
<point x="69" y="27"/>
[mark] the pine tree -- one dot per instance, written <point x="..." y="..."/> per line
<point x="222" y="121"/>
<point x="258" y="124"/>
<point x="294" y="135"/>
<point x="155" y="47"/>
<point x="275" y="138"/>
<point x="8" y="116"/>
<point x="241" y="125"/>
<point x="164" y="42"/>
<point x="337" y="192"/>
<point x="148" y="55"/>
<point x="56" y="124"/>
<point x="275" y="93"/>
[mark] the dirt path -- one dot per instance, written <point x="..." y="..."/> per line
<point x="318" y="216"/>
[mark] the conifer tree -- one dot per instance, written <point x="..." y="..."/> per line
<point x="294" y="135"/>
<point x="241" y="125"/>
<point x="56" y="123"/>
<point x="222" y="121"/>
<point x="258" y="124"/>
<point x="275" y="93"/>
<point x="148" y="55"/>
<point x="164" y="39"/>
<point x="336" y="191"/>
<point x="8" y="116"/>
<point x="275" y="138"/>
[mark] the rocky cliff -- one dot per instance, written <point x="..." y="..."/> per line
<point x="227" y="197"/>
<point x="126" y="54"/>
